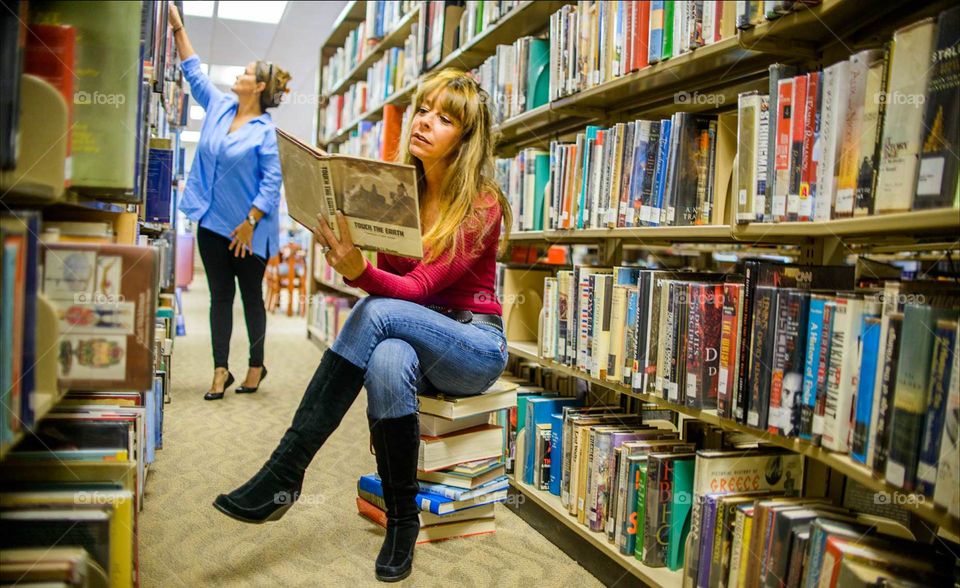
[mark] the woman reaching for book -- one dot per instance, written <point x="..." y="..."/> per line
<point x="232" y="193"/>
<point x="427" y="324"/>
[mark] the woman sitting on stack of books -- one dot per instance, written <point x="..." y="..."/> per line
<point x="432" y="323"/>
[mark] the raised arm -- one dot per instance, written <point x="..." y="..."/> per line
<point x="201" y="87"/>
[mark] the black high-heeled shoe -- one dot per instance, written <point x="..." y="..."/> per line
<point x="219" y="395"/>
<point x="252" y="389"/>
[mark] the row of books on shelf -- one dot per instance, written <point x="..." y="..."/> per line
<point x="381" y="18"/>
<point x="516" y="77"/>
<point x="461" y="469"/>
<point x="643" y="173"/>
<point x="377" y="140"/>
<point x="796" y="351"/>
<point x="90" y="154"/>
<point x="869" y="135"/>
<point x="596" y="42"/>
<point x="392" y="72"/>
<point x="721" y="506"/>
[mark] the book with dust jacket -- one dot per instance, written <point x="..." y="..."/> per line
<point x="379" y="199"/>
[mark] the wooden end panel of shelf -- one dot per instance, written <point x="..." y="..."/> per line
<point x="551" y="504"/>
<point x="841" y="463"/>
<point x="352" y="14"/>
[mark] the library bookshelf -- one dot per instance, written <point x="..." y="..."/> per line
<point x="808" y="36"/>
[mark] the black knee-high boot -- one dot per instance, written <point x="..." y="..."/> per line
<point x="397" y="444"/>
<point x="274" y="489"/>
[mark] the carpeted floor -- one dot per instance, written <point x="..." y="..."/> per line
<point x="211" y="447"/>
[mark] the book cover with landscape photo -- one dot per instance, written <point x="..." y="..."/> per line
<point x="379" y="199"/>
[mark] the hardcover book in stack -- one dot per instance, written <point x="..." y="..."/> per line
<point x="461" y="465"/>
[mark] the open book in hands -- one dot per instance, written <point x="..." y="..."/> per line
<point x="378" y="199"/>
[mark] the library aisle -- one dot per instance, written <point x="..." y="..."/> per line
<point x="211" y="447"/>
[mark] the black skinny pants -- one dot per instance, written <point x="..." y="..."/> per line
<point x="224" y="271"/>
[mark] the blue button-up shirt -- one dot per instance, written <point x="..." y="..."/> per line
<point x="232" y="171"/>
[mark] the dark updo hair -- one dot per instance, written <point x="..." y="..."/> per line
<point x="275" y="80"/>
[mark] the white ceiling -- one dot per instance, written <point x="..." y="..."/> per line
<point x="293" y="44"/>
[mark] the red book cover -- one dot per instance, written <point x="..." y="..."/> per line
<point x="729" y="343"/>
<point x="808" y="174"/>
<point x="392" y="126"/>
<point x="50" y="55"/>
<point x="641" y="36"/>
<point x="797" y="120"/>
<point x="782" y="157"/>
<point x="627" y="60"/>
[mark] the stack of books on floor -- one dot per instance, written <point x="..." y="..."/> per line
<point x="461" y="465"/>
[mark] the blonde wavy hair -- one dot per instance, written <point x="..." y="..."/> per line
<point x="471" y="171"/>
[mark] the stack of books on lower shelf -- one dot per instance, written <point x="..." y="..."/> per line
<point x="461" y="465"/>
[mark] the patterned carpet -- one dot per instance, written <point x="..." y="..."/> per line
<point x="211" y="447"/>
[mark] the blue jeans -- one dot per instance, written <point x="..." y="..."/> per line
<point x="407" y="348"/>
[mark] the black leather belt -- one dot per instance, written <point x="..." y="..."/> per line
<point x="467" y="316"/>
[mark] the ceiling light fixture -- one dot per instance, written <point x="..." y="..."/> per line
<point x="198" y="8"/>
<point x="266" y="12"/>
<point x="189" y="136"/>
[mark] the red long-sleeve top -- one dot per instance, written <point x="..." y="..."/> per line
<point x="462" y="279"/>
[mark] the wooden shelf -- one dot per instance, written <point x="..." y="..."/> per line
<point x="314" y="334"/>
<point x="352" y="14"/>
<point x="841" y="463"/>
<point x="941" y="221"/>
<point x="394" y="38"/>
<point x="400" y="97"/>
<point x="551" y="503"/>
<point x="356" y="292"/>
<point x="527" y="18"/>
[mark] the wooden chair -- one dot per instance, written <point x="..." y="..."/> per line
<point x="294" y="278"/>
<point x="271" y="279"/>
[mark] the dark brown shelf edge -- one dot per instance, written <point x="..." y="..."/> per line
<point x="842" y="463"/>
<point x="389" y="41"/>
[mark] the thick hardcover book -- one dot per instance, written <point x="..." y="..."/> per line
<point x="556" y="452"/>
<point x="811" y="365"/>
<point x="659" y="518"/>
<point x="379" y="199"/>
<point x="946" y="491"/>
<point x="731" y="323"/>
<point x="811" y="150"/>
<point x="704" y="332"/>
<point x="910" y="70"/>
<point x="682" y="484"/>
<point x="834" y="106"/>
<point x="159" y="181"/>
<point x="798" y="117"/>
<point x="888" y="382"/>
<point x="636" y="506"/>
<point x="855" y="148"/>
<point x="911" y="394"/>
<point x="869" y="356"/>
<point x="781" y="157"/>
<point x="937" y="173"/>
<point x="944" y="348"/>
<point x="105" y="298"/>
<point x="786" y="385"/>
<point x="762" y="353"/>
<point x="871" y="126"/>
<point x="438" y="505"/>
<point x="844" y="365"/>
